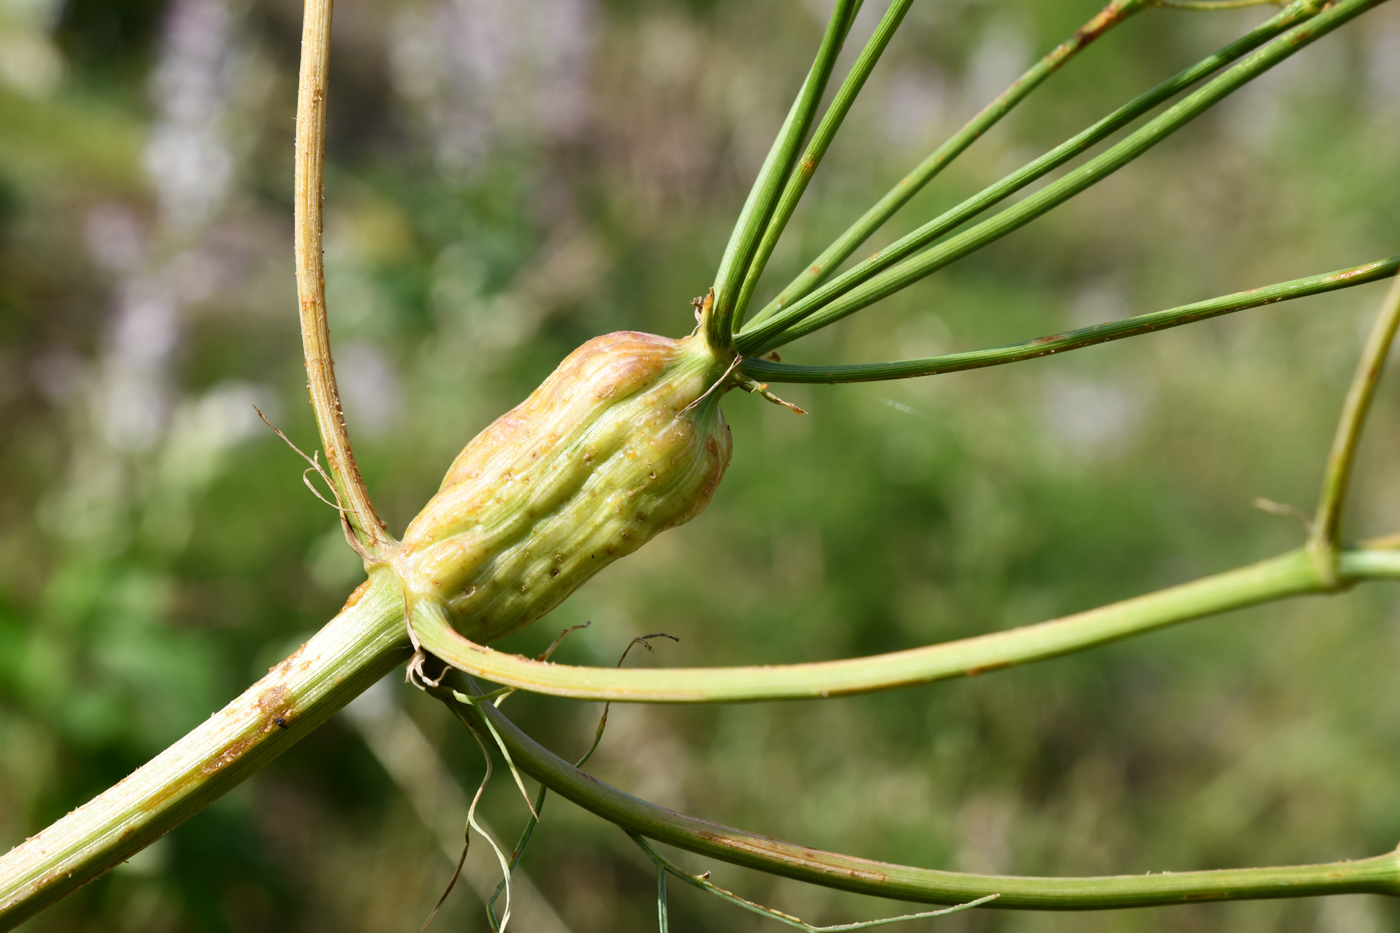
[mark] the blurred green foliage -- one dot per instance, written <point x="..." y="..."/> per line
<point x="507" y="180"/>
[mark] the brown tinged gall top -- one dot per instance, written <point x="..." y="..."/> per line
<point x="622" y="441"/>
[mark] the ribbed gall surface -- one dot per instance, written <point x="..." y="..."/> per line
<point x="600" y="458"/>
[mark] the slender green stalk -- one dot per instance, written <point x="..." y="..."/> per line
<point x="816" y="149"/>
<point x="753" y="218"/>
<point x="819" y="269"/>
<point x="767" y="371"/>
<point x="866" y="284"/>
<point x="1326" y="531"/>
<point x="663" y="914"/>
<point x="1290" y="574"/>
<point x="1375" y="564"/>
<point x="360" y="645"/>
<point x="1378" y="875"/>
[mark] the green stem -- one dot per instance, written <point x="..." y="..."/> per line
<point x="663" y="915"/>
<point x="816" y="149"/>
<point x="703" y="883"/>
<point x="1290" y="574"/>
<point x="753" y="218"/>
<point x="1326" y="532"/>
<point x="360" y="645"/>
<point x="865" y="284"/>
<point x="819" y="269"/>
<point x="1378" y="875"/>
<point x="1370" y="564"/>
<point x="768" y="371"/>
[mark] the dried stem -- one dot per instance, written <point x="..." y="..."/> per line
<point x="359" y="513"/>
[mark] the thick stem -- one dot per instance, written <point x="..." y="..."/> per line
<point x="1378" y="875"/>
<point x="360" y="645"/>
<point x="350" y="488"/>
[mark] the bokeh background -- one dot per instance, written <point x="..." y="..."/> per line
<point x="506" y="180"/>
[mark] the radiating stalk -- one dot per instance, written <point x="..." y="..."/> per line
<point x="816" y="149"/>
<point x="820" y="269"/>
<point x="702" y="883"/>
<point x="1291" y="574"/>
<point x="753" y="218"/>
<point x="1378" y="875"/>
<point x="877" y="277"/>
<point x="1326" y="532"/>
<point x="768" y="371"/>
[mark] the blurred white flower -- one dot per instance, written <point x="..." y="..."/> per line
<point x="483" y="74"/>
<point x="369" y="387"/>
<point x="1089" y="419"/>
<point x="187" y="155"/>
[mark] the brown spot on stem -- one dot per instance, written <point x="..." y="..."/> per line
<point x="231" y="753"/>
<point x="827" y="862"/>
<point x="355" y="596"/>
<point x="276" y="702"/>
<point x="1108" y="16"/>
<point x="283" y="668"/>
